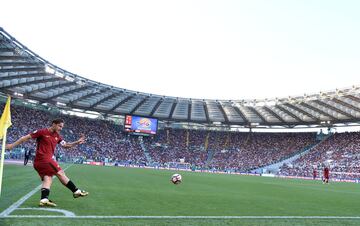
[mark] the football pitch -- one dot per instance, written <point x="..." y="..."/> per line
<point x="137" y="196"/>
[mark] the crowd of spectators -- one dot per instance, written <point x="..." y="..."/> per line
<point x="252" y="150"/>
<point x="104" y="139"/>
<point x="340" y="152"/>
<point x="107" y="142"/>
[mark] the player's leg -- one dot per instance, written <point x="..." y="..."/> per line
<point x="45" y="192"/>
<point x="25" y="160"/>
<point x="70" y="185"/>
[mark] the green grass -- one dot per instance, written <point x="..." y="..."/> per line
<point x="145" y="192"/>
<point x="17" y="181"/>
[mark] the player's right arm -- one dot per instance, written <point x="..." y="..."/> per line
<point x="33" y="135"/>
<point x="18" y="142"/>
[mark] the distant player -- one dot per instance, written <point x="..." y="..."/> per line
<point x="314" y="173"/>
<point x="27" y="156"/>
<point x="44" y="164"/>
<point x="326" y="175"/>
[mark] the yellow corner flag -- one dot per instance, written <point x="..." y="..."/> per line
<point x="5" y="123"/>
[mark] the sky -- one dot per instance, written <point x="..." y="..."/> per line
<point x="196" y="49"/>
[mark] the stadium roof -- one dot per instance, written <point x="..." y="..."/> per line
<point x="26" y="75"/>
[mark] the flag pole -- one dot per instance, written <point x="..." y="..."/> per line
<point x="2" y="159"/>
<point x="5" y="123"/>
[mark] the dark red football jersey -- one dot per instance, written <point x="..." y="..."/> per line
<point x="326" y="172"/>
<point x="46" y="142"/>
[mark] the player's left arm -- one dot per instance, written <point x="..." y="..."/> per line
<point x="81" y="140"/>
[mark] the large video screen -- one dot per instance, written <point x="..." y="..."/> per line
<point x="140" y="125"/>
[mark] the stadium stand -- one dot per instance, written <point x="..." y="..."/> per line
<point x="340" y="151"/>
<point x="106" y="142"/>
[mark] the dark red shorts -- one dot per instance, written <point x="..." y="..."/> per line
<point x="47" y="168"/>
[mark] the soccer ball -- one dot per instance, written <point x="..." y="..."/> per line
<point x="176" y="178"/>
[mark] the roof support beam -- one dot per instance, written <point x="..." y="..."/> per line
<point x="346" y="104"/>
<point x="120" y="103"/>
<point x="207" y="118"/>
<point x="241" y="114"/>
<point x="172" y="110"/>
<point x="258" y="114"/>
<point x="334" y="108"/>
<point x="317" y="110"/>
<point x="274" y="114"/>
<point x="223" y="112"/>
<point x="289" y="113"/>
<point x="302" y="111"/>
<point x="138" y="105"/>
<point x="156" y="106"/>
<point x="189" y="110"/>
<point x="354" y="98"/>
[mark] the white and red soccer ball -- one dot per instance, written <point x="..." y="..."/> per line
<point x="176" y="178"/>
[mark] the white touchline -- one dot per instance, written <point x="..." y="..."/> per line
<point x="19" y="202"/>
<point x="65" y="212"/>
<point x="22" y="200"/>
<point x="186" y="217"/>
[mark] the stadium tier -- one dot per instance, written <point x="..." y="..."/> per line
<point x="26" y="75"/>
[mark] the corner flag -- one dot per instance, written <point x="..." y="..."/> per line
<point x="5" y="123"/>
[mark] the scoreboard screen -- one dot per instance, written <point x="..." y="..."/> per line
<point x="140" y="125"/>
